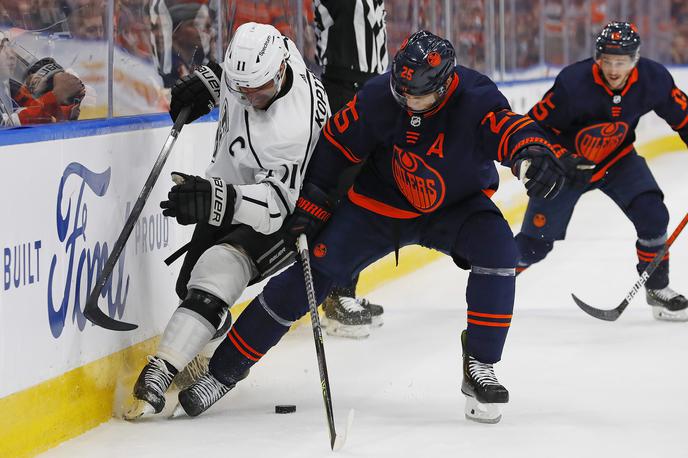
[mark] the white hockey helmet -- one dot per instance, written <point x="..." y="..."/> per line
<point x="254" y="61"/>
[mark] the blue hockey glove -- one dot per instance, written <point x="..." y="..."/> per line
<point x="540" y="171"/>
<point x="579" y="170"/>
<point x="312" y="211"/>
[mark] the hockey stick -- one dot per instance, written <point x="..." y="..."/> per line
<point x="613" y="314"/>
<point x="91" y="310"/>
<point x="336" y="442"/>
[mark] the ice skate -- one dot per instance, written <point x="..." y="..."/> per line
<point x="150" y="388"/>
<point x="346" y="316"/>
<point x="376" y="312"/>
<point x="667" y="304"/>
<point x="200" y="395"/>
<point x="483" y="391"/>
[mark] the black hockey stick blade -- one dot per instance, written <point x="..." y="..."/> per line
<point x="606" y="315"/>
<point x="91" y="310"/>
<point x="99" y="318"/>
<point x="613" y="314"/>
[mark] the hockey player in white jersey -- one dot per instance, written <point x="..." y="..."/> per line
<point x="271" y="112"/>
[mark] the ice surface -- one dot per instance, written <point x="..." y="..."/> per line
<point x="579" y="386"/>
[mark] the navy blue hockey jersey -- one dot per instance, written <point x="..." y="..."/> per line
<point x="585" y="116"/>
<point x="416" y="164"/>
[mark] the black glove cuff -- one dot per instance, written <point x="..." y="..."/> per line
<point x="314" y="209"/>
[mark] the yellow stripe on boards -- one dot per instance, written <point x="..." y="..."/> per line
<point x="40" y="417"/>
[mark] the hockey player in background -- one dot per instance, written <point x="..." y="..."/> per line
<point x="592" y="112"/>
<point x="351" y="48"/>
<point x="271" y="112"/>
<point x="429" y="133"/>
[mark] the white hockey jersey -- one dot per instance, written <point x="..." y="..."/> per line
<point x="264" y="153"/>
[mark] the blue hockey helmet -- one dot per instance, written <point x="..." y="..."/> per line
<point x="422" y="66"/>
<point x="620" y="38"/>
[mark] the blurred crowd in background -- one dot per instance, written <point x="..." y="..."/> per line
<point x="64" y="60"/>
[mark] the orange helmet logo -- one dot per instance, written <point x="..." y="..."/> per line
<point x="616" y="36"/>
<point x="320" y="250"/>
<point x="403" y="44"/>
<point x="539" y="220"/>
<point x="434" y="59"/>
<point x="634" y="27"/>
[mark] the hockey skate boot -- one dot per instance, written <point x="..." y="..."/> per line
<point x="200" y="395"/>
<point x="376" y="312"/>
<point x="667" y="304"/>
<point x="346" y="317"/>
<point x="483" y="391"/>
<point x="150" y="388"/>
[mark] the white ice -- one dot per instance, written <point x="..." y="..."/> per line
<point x="579" y="387"/>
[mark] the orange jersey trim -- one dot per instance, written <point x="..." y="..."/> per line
<point x="633" y="78"/>
<point x="488" y="315"/>
<point x="512" y="129"/>
<point x="243" y="347"/>
<point x="646" y="259"/>
<point x="378" y="207"/>
<point x="489" y="192"/>
<point x="649" y="257"/>
<point x="683" y="124"/>
<point x="488" y="323"/>
<point x="597" y="77"/>
<point x="533" y="141"/>
<point x="600" y="173"/>
<point x="241" y="350"/>
<point x="345" y="151"/>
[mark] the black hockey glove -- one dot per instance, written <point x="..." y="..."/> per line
<point x="540" y="171"/>
<point x="579" y="170"/>
<point x="200" y="90"/>
<point x="312" y="211"/>
<point x="194" y="199"/>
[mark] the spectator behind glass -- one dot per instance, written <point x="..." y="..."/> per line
<point x="34" y="15"/>
<point x="192" y="39"/>
<point x="86" y="20"/>
<point x="133" y="31"/>
<point x="8" y="60"/>
<point x="48" y="95"/>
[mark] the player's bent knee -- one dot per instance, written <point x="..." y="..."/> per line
<point x="206" y="305"/>
<point x="223" y="271"/>
<point x="649" y="215"/>
<point x="531" y="249"/>
<point x="491" y="242"/>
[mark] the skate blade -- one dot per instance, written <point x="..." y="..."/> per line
<point x="178" y="412"/>
<point x="377" y="322"/>
<point x="347" y="331"/>
<point x="482" y="413"/>
<point x="662" y="314"/>
<point x="140" y="409"/>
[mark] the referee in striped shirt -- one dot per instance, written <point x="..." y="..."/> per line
<point x="351" y="47"/>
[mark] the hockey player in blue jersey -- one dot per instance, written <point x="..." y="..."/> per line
<point x="430" y="132"/>
<point x="592" y="112"/>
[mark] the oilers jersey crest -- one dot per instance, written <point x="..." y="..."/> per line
<point x="583" y="115"/>
<point x="417" y="163"/>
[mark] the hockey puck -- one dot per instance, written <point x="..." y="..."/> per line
<point x="285" y="408"/>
